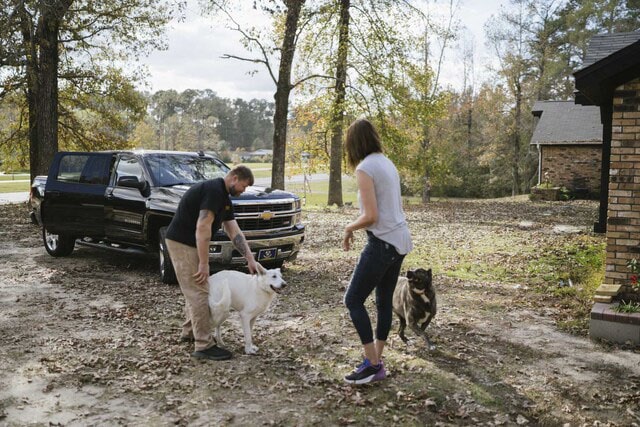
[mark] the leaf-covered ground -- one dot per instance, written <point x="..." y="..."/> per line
<point x="93" y="338"/>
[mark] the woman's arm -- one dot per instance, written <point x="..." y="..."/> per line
<point x="369" y="214"/>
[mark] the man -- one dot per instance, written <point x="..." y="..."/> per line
<point x="203" y="209"/>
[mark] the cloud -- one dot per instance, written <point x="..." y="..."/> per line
<point x="194" y="61"/>
<point x="196" y="44"/>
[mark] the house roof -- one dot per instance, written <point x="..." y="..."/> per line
<point x="603" y="45"/>
<point x="611" y="60"/>
<point x="564" y="122"/>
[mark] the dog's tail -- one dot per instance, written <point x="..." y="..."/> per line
<point x="219" y="301"/>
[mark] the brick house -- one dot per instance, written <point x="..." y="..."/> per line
<point x="610" y="80"/>
<point x="568" y="138"/>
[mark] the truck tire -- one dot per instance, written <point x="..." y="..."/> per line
<point x="167" y="273"/>
<point x="58" y="244"/>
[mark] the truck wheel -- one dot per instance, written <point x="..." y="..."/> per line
<point x="167" y="273"/>
<point x="58" y="244"/>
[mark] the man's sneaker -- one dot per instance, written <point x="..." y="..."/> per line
<point x="366" y="373"/>
<point x="212" y="353"/>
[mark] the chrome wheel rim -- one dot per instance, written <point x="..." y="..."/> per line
<point x="52" y="240"/>
<point x="161" y="251"/>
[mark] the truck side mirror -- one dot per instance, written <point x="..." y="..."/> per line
<point x="131" y="182"/>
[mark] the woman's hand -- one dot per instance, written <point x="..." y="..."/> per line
<point x="347" y="240"/>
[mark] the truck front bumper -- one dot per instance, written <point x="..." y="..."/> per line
<point x="264" y="249"/>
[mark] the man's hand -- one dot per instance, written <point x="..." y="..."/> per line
<point x="255" y="267"/>
<point x="202" y="275"/>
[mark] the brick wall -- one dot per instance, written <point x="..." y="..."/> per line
<point x="573" y="167"/>
<point x="623" y="216"/>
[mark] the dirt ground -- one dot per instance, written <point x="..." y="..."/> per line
<point x="92" y="338"/>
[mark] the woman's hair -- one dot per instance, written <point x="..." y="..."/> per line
<point x="243" y="173"/>
<point x="362" y="140"/>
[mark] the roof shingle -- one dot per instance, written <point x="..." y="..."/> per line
<point x="603" y="45"/>
<point x="564" y="122"/>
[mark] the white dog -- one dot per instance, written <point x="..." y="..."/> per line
<point x="249" y="295"/>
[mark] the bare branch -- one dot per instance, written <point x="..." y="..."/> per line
<point x="312" y="76"/>
<point x="250" y="39"/>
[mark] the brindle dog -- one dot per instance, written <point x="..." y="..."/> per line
<point x="414" y="301"/>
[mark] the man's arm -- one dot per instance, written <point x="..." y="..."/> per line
<point x="203" y="237"/>
<point x="235" y="234"/>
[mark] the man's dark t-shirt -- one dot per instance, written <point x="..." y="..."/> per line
<point x="211" y="195"/>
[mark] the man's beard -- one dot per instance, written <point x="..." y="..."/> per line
<point x="233" y="191"/>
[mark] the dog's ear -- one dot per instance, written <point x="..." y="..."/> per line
<point x="429" y="274"/>
<point x="410" y="274"/>
<point x="261" y="269"/>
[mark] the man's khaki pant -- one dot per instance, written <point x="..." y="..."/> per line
<point x="198" y="316"/>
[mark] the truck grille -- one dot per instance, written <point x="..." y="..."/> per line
<point x="257" y="208"/>
<point x="254" y="224"/>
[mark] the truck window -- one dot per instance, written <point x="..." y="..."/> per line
<point x="174" y="169"/>
<point x="83" y="169"/>
<point x="129" y="166"/>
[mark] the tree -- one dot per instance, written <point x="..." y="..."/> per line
<point x="286" y="15"/>
<point x="379" y="66"/>
<point x="338" y="108"/>
<point x="75" y="44"/>
<point x="506" y="34"/>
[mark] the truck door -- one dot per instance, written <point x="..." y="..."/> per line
<point x="126" y="201"/>
<point x="73" y="202"/>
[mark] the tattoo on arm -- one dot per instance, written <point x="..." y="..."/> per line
<point x="240" y="243"/>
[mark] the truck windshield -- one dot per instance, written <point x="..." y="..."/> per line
<point x="175" y="169"/>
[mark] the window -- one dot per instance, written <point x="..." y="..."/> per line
<point x="129" y="166"/>
<point x="175" y="169"/>
<point x="83" y="169"/>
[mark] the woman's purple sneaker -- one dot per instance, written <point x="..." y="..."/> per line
<point x="366" y="373"/>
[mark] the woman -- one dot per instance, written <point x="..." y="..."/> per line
<point x="388" y="242"/>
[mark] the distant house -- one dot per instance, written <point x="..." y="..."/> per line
<point x="569" y="142"/>
<point x="258" y="155"/>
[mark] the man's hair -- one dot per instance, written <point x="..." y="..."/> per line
<point x="362" y="140"/>
<point x="243" y="173"/>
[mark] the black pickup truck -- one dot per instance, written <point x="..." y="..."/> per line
<point x="124" y="200"/>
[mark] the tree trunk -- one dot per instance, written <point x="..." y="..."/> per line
<point x="282" y="94"/>
<point x="516" y="142"/>
<point x="40" y="40"/>
<point x="426" y="179"/>
<point x="47" y="100"/>
<point x="335" y="165"/>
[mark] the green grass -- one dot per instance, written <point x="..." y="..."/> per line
<point x="316" y="193"/>
<point x="13" y="177"/>
<point x="12" y="187"/>
<point x="580" y="262"/>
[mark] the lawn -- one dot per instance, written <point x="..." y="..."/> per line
<point x="12" y="187"/>
<point x="510" y="336"/>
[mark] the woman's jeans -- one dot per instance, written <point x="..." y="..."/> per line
<point x="378" y="267"/>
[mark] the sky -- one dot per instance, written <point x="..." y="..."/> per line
<point x="196" y="44"/>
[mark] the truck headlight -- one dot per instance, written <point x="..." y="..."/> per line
<point x="297" y="204"/>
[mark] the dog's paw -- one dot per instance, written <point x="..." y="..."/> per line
<point x="251" y="350"/>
